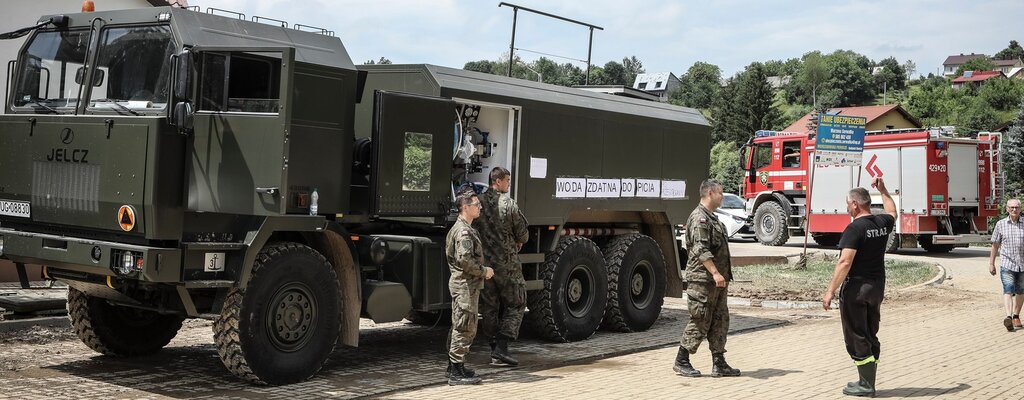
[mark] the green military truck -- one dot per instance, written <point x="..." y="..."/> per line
<point x="168" y="163"/>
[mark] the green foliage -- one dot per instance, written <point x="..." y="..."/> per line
<point x="382" y="60"/>
<point x="700" y="86"/>
<point x="849" y="79"/>
<point x="416" y="162"/>
<point x="755" y="101"/>
<point x="1011" y="52"/>
<point x="977" y="64"/>
<point x="725" y="114"/>
<point x="1013" y="156"/>
<point x="1002" y="94"/>
<point x="725" y="165"/>
<point x="615" y="73"/>
<point x="892" y="76"/>
<point x="567" y="74"/>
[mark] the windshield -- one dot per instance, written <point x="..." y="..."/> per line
<point x="733" y="201"/>
<point x="46" y="82"/>
<point x="131" y="77"/>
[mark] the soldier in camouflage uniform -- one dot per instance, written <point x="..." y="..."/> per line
<point x="708" y="271"/>
<point x="465" y="260"/>
<point x="502" y="228"/>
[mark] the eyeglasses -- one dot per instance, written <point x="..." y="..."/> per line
<point x="1013" y="207"/>
<point x="477" y="204"/>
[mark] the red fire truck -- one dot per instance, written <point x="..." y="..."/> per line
<point x="945" y="187"/>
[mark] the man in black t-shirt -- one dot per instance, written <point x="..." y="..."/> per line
<point x="861" y="272"/>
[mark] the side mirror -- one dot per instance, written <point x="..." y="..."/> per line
<point x="97" y="77"/>
<point x="183" y="77"/>
<point x="183" y="116"/>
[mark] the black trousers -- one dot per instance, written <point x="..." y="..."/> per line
<point x="860" y="301"/>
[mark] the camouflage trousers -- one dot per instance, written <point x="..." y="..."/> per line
<point x="464" y="319"/>
<point x="503" y="302"/>
<point x="709" y="317"/>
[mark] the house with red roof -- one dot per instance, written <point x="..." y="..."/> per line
<point x="953" y="63"/>
<point x="889" y="116"/>
<point x="976" y="78"/>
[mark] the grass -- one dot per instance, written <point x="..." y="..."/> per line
<point x="782" y="282"/>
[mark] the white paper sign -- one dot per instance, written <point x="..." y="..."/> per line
<point x="538" y="167"/>
<point x="627" y="188"/>
<point x="673" y="189"/>
<point x="567" y="188"/>
<point x="603" y="188"/>
<point x="648" y="188"/>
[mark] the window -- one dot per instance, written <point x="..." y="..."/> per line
<point x="643" y="85"/>
<point x="46" y="79"/>
<point x="657" y="85"/>
<point x="416" y="162"/>
<point x="240" y="82"/>
<point x="791" y="154"/>
<point x="762" y="155"/>
<point x="731" y="201"/>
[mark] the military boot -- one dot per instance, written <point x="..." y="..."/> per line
<point x="448" y="374"/>
<point x="500" y="356"/>
<point x="682" y="365"/>
<point x="720" y="368"/>
<point x="864" y="387"/>
<point x="458" y="376"/>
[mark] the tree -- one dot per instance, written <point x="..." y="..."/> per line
<point x="1013" y="156"/>
<point x="485" y="66"/>
<point x="1002" y="94"/>
<point x="699" y="86"/>
<point x="976" y="64"/>
<point x="812" y="75"/>
<point x="1011" y="52"/>
<point x="383" y="60"/>
<point x="755" y="101"/>
<point x="849" y="78"/>
<point x="633" y="68"/>
<point x="891" y="77"/>
<point x="911" y="68"/>
<point x="789" y="67"/>
<point x="725" y="165"/>
<point x="725" y="115"/>
<point x="615" y="73"/>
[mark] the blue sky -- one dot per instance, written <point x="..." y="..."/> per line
<point x="665" y="35"/>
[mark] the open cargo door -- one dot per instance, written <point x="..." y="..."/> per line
<point x="413" y="140"/>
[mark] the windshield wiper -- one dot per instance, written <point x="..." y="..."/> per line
<point x="44" y="106"/>
<point x="122" y="106"/>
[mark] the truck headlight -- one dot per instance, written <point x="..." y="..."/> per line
<point x="126" y="262"/>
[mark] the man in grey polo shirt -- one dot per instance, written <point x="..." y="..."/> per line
<point x="1008" y="242"/>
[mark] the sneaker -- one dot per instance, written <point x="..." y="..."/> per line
<point x="1008" y="323"/>
<point x="1016" y="322"/>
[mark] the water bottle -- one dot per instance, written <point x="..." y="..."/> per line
<point x="314" y="202"/>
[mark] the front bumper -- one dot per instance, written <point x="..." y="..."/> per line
<point x="961" y="239"/>
<point x="76" y="254"/>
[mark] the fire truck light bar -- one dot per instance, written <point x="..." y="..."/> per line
<point x="764" y="133"/>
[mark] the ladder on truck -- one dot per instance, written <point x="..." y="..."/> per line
<point x="996" y="176"/>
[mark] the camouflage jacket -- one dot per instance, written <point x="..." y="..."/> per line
<point x="706" y="240"/>
<point x="465" y="256"/>
<point x="501" y="226"/>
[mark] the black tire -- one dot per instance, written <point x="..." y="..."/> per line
<point x="826" y="239"/>
<point x="118" y="330"/>
<point x="770" y="224"/>
<point x="430" y="318"/>
<point x="637" y="267"/>
<point x="572" y="303"/>
<point x="893" y="243"/>
<point x="284" y="324"/>
<point x="926" y="243"/>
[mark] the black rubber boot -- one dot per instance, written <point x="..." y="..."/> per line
<point x="858" y="381"/>
<point x="458" y="376"/>
<point x="682" y="365"/>
<point x="500" y="356"/>
<point x="448" y="374"/>
<point x="720" y="368"/>
<point x="865" y="387"/>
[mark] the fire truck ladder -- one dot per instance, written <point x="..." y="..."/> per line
<point x="995" y="162"/>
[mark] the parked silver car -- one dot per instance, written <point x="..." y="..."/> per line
<point x="733" y="213"/>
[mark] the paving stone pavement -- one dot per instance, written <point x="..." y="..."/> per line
<point x="391" y="357"/>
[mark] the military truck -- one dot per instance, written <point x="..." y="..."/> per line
<point x="168" y="164"/>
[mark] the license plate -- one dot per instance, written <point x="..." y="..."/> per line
<point x="15" y="209"/>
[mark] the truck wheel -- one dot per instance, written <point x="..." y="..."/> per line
<point x="571" y="304"/>
<point x="826" y="239"/>
<point x="118" y="330"/>
<point x="770" y="224"/>
<point x="636" y="283"/>
<point x="926" y="243"/>
<point x="893" y="243"/>
<point x="430" y="318"/>
<point x="282" y="326"/>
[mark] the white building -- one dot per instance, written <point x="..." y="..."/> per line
<point x="659" y="84"/>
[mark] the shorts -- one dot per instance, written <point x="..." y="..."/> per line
<point x="1013" y="282"/>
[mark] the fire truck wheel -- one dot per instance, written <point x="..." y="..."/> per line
<point x="893" y="243"/>
<point x="281" y="327"/>
<point x="826" y="239"/>
<point x="117" y="330"/>
<point x="636" y="283"/>
<point x="770" y="224"/>
<point x="430" y="318"/>
<point x="572" y="303"/>
<point x="926" y="243"/>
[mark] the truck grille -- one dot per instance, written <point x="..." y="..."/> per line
<point x="66" y="186"/>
